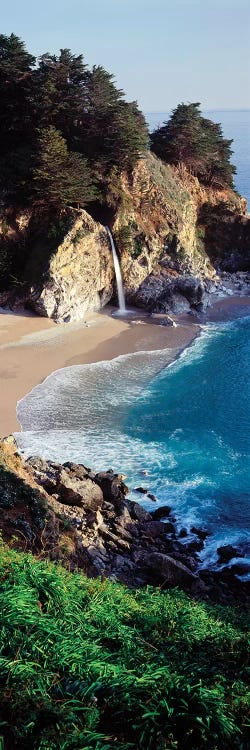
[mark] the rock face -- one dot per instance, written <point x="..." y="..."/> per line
<point x="83" y="519"/>
<point x="165" y="264"/>
<point x="161" y="293"/>
<point x="79" y="276"/>
<point x="170" y="235"/>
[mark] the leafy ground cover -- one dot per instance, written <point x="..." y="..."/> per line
<point x="87" y="664"/>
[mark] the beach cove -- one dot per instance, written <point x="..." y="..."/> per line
<point x="33" y="347"/>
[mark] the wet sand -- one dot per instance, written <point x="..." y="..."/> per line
<point x="32" y="347"/>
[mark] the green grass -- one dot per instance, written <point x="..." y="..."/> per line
<point x="91" y="665"/>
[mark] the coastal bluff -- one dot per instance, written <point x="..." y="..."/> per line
<point x="173" y="236"/>
<point x="83" y="519"/>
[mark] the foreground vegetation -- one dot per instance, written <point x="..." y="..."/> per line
<point x="88" y="664"/>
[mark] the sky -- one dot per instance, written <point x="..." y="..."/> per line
<point x="162" y="52"/>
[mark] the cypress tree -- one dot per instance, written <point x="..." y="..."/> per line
<point x="16" y="115"/>
<point x="60" y="178"/>
<point x="197" y="142"/>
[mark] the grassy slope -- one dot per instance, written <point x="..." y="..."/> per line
<point x="88" y="664"/>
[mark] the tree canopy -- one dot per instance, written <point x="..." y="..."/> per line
<point x="197" y="142"/>
<point x="88" y="131"/>
<point x="65" y="129"/>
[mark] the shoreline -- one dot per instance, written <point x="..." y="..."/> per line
<point x="32" y="348"/>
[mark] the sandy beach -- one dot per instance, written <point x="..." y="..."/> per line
<point x="32" y="347"/>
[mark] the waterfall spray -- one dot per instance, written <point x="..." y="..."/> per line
<point x="120" y="291"/>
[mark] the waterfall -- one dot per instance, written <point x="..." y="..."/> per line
<point x="120" y="292"/>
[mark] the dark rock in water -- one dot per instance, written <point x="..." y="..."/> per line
<point x="183" y="533"/>
<point x="142" y="490"/>
<point x="241" y="568"/>
<point x="152" y="497"/>
<point x="162" y="512"/>
<point x="201" y="533"/>
<point x="227" y="552"/>
<point x="169" y="527"/>
<point x="195" y="546"/>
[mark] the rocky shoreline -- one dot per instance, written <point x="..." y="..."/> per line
<point x="84" y="520"/>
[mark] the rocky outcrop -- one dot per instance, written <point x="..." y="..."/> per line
<point x="163" y="293"/>
<point x="166" y="264"/>
<point x="67" y="266"/>
<point x="69" y="513"/>
<point x="171" y="235"/>
<point x="79" y="276"/>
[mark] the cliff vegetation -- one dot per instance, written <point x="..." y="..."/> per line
<point x="70" y="143"/>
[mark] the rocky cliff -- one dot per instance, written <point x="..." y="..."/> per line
<point x="170" y="234"/>
<point x="80" y="273"/>
<point x="161" y="232"/>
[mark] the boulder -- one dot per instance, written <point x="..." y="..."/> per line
<point x="162" y="512"/>
<point x="82" y="492"/>
<point x="227" y="552"/>
<point x="161" y="293"/>
<point x="165" y="570"/>
<point x="71" y="483"/>
<point x="201" y="533"/>
<point x="113" y="488"/>
<point x="191" y="288"/>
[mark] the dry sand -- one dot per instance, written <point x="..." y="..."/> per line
<point x="32" y="347"/>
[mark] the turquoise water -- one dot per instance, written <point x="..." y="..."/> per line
<point x="198" y="411"/>
<point x="187" y="424"/>
<point x="235" y="124"/>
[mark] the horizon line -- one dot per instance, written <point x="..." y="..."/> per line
<point x="208" y="109"/>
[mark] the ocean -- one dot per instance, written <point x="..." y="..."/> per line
<point x="236" y="125"/>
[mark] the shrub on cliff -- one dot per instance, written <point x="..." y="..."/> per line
<point x="88" y="664"/>
<point x="197" y="142"/>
